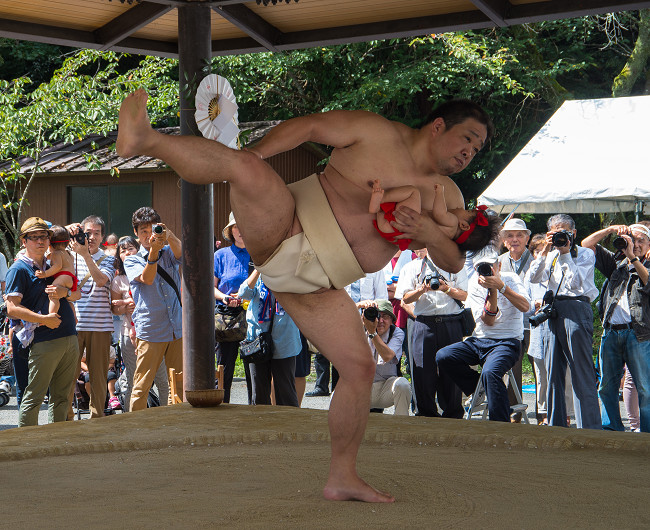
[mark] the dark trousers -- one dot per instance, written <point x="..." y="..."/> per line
<point x="569" y="343"/>
<point x="428" y="379"/>
<point x="21" y="367"/>
<point x="322" y="367"/>
<point x="284" y="382"/>
<point x="227" y="355"/>
<point x="496" y="356"/>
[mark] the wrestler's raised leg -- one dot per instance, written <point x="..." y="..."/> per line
<point x="263" y="206"/>
<point x="331" y="321"/>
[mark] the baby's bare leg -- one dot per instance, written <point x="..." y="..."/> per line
<point x="61" y="281"/>
<point x="376" y="198"/>
<point x="404" y="196"/>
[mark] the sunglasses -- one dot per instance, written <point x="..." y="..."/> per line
<point x="38" y="238"/>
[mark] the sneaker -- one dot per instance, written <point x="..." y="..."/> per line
<point x="114" y="403"/>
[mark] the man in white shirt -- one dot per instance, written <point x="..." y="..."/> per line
<point x="95" y="271"/>
<point x="437" y="324"/>
<point x="498" y="302"/>
<point x="389" y="387"/>
<point x="569" y="271"/>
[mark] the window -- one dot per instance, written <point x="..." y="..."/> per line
<point x="114" y="203"/>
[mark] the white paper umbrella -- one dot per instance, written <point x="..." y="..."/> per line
<point x="216" y="110"/>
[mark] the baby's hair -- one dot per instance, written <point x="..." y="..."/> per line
<point x="60" y="237"/>
<point x="482" y="236"/>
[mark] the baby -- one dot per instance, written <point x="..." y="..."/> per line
<point x="61" y="264"/>
<point x="471" y="230"/>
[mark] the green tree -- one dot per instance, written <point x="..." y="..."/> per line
<point x="81" y="98"/>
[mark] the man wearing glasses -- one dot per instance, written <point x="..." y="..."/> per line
<point x="389" y="387"/>
<point x="54" y="349"/>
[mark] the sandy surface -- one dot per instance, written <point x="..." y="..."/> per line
<point x="264" y="467"/>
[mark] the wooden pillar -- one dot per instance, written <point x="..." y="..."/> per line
<point x="197" y="211"/>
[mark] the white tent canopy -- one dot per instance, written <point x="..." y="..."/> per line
<point x="592" y="156"/>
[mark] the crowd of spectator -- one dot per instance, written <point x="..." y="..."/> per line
<point x="108" y="293"/>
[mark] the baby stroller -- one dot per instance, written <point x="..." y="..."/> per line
<point x="5" y="370"/>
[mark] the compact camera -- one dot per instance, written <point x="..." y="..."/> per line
<point x="371" y="313"/>
<point x="81" y="237"/>
<point x="157" y="229"/>
<point x="562" y="238"/>
<point x="484" y="269"/>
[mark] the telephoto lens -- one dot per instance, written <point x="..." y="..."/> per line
<point x="371" y="313"/>
<point x="619" y="243"/>
<point x="157" y="229"/>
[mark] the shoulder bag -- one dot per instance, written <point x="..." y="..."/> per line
<point x="260" y="349"/>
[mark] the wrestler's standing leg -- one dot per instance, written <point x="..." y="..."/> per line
<point x="330" y="319"/>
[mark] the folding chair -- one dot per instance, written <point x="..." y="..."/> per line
<point x="478" y="406"/>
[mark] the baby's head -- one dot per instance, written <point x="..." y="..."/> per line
<point x="478" y="229"/>
<point x="60" y="238"/>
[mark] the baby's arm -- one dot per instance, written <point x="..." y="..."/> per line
<point x="404" y="196"/>
<point x="448" y="221"/>
<point x="56" y="264"/>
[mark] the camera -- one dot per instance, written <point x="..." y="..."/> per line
<point x="546" y="311"/>
<point x="81" y="237"/>
<point x="432" y="281"/>
<point x="484" y="269"/>
<point x="157" y="229"/>
<point x="562" y="238"/>
<point x="619" y="243"/>
<point x="371" y="313"/>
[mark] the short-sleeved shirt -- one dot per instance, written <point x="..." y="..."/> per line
<point x="94" y="306"/>
<point x="231" y="267"/>
<point x="157" y="315"/>
<point x="509" y="322"/>
<point x="21" y="281"/>
<point x="385" y="370"/>
<point x="120" y="284"/>
<point x="3" y="267"/>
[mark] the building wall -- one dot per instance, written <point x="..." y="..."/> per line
<point x="48" y="195"/>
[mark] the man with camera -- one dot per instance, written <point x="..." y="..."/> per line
<point x="626" y="319"/>
<point x="389" y="387"/>
<point x="514" y="236"/>
<point x="568" y="272"/>
<point x="498" y="302"/>
<point x="155" y="285"/>
<point x="95" y="271"/>
<point x="437" y="296"/>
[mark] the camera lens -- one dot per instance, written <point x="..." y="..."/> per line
<point x="80" y="237"/>
<point x="434" y="284"/>
<point x="560" y="239"/>
<point x="157" y="229"/>
<point x="371" y="313"/>
<point x="484" y="269"/>
<point x="619" y="243"/>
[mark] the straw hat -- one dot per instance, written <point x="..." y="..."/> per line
<point x="227" y="230"/>
<point x="514" y="225"/>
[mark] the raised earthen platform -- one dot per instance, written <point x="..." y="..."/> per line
<point x="264" y="467"/>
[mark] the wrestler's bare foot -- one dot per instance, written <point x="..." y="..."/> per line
<point x="354" y="490"/>
<point x="134" y="128"/>
<point x="376" y="197"/>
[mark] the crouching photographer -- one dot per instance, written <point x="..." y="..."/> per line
<point x="389" y="387"/>
<point x="568" y="271"/>
<point x="625" y="314"/>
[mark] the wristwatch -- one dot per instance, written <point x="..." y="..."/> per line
<point x="634" y="260"/>
<point x="372" y="335"/>
<point x="503" y="289"/>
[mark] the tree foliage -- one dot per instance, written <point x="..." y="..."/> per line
<point x="81" y="98"/>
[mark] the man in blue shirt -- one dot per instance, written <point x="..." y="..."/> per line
<point x="54" y="349"/>
<point x="155" y="285"/>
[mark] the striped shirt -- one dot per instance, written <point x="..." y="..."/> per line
<point x="94" y="307"/>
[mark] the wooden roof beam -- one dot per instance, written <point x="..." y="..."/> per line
<point x="558" y="9"/>
<point x="128" y="23"/>
<point x="252" y="24"/>
<point x="495" y="10"/>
